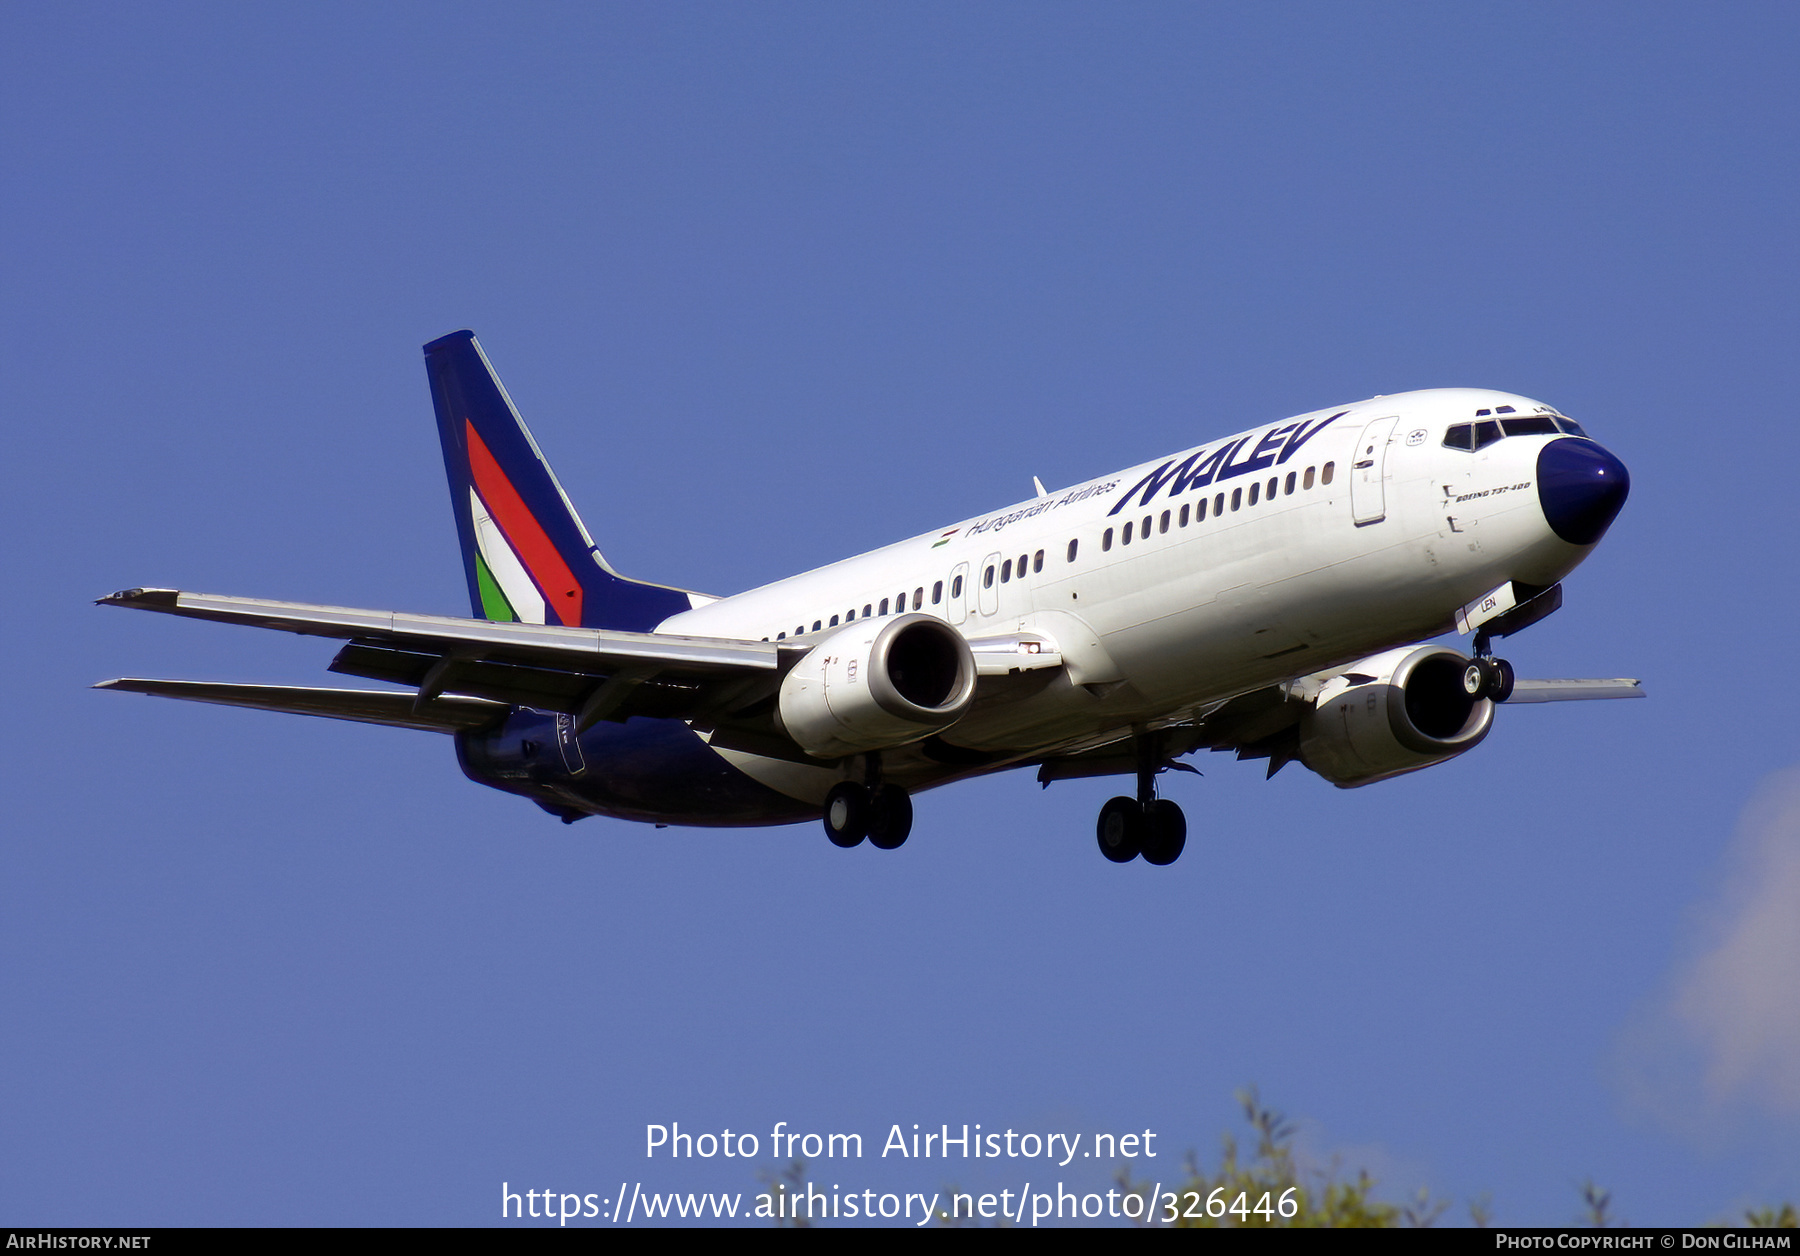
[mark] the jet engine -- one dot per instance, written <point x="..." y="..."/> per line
<point x="1391" y="714"/>
<point x="877" y="683"/>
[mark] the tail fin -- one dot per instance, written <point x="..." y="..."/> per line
<point x="526" y="552"/>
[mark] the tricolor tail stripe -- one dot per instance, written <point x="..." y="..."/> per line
<point x="497" y="563"/>
<point x="522" y="536"/>
<point x="493" y="598"/>
<point x="526" y="555"/>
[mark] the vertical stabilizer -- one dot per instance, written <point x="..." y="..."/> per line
<point x="526" y="553"/>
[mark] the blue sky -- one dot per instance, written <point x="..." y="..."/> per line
<point x="776" y="284"/>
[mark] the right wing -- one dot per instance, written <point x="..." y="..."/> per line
<point x="1572" y="690"/>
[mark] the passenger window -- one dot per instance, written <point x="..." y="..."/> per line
<point x="918" y="597"/>
<point x="1273" y="484"/>
<point x="1200" y="511"/>
<point x="1006" y="571"/>
<point x="1126" y="538"/>
<point x="956" y="587"/>
<point x="1237" y="498"/>
<point x="1325" y="472"/>
<point x="884" y="606"/>
<point x="817" y="625"/>
<point x="849" y="615"/>
<point x="1290" y="484"/>
<point x="1253" y="489"/>
<point x="1218" y="504"/>
<point x="1073" y="546"/>
<point x="1106" y="539"/>
<point x="1145" y="530"/>
<point x="1162" y="525"/>
<point x="1184" y="515"/>
<point x="937" y="592"/>
<point x="987" y="578"/>
<point x="834" y="621"/>
<point x="1307" y="479"/>
<point x="781" y="636"/>
<point x="1037" y="562"/>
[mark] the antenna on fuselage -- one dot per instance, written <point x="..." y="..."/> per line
<point x="1039" y="486"/>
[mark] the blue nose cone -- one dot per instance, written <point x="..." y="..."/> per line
<point x="1582" y="488"/>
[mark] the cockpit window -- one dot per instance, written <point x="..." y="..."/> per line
<point x="1530" y="425"/>
<point x="1570" y="426"/>
<point x="1473" y="436"/>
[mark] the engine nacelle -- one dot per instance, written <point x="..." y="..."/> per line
<point x="1391" y="714"/>
<point x="878" y="683"/>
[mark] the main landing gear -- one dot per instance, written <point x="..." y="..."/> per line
<point x="881" y="813"/>
<point x="1146" y="825"/>
<point x="1486" y="676"/>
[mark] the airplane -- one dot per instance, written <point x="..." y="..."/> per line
<point x="1272" y="594"/>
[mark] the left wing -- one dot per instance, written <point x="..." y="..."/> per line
<point x="591" y="673"/>
<point x="727" y="686"/>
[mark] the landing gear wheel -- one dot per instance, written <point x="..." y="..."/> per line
<point x="1121" y="829"/>
<point x="890" y="817"/>
<point x="1500" y="686"/>
<point x="847" y="814"/>
<point x="1488" y="678"/>
<point x="1165" y="832"/>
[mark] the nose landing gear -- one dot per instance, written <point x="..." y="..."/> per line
<point x="1486" y="676"/>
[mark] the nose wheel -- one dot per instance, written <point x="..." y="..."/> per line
<point x="1488" y="678"/>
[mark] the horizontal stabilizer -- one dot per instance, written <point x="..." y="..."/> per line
<point x="443" y="714"/>
<point x="1572" y="690"/>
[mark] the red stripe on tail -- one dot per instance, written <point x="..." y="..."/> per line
<point x="535" y="549"/>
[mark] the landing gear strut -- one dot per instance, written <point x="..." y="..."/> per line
<point x="1146" y="825"/>
<point x="881" y="813"/>
<point x="1486" y="676"/>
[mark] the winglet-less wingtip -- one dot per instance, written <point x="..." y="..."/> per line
<point x="144" y="599"/>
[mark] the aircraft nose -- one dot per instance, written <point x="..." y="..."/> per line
<point x="1582" y="488"/>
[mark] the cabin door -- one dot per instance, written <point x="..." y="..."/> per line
<point x="1368" y="472"/>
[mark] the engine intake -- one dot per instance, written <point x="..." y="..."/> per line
<point x="878" y="683"/>
<point x="1391" y="714"/>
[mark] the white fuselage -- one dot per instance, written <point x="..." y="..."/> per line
<point x="1283" y="551"/>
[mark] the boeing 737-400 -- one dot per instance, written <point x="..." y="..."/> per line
<point x="1266" y="593"/>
